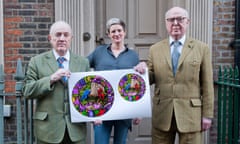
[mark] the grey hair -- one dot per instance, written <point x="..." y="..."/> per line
<point x="113" y="21"/>
<point x="184" y="11"/>
<point x="57" y="24"/>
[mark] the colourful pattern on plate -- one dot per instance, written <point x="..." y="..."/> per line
<point x="132" y="87"/>
<point x="92" y="96"/>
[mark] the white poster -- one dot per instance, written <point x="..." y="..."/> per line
<point x="109" y="95"/>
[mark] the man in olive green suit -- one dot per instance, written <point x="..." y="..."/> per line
<point x="46" y="81"/>
<point x="183" y="99"/>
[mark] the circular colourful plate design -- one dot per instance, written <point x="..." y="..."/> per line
<point x="92" y="96"/>
<point x="132" y="87"/>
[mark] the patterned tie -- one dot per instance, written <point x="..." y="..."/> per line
<point x="175" y="56"/>
<point x="60" y="61"/>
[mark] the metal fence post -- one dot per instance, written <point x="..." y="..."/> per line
<point x="19" y="76"/>
<point x="236" y="118"/>
<point x="219" y="133"/>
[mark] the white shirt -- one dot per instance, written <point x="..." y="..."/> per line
<point x="182" y="40"/>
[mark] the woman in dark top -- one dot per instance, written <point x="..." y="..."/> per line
<point x="113" y="56"/>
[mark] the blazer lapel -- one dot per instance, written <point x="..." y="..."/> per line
<point x="166" y="51"/>
<point x="51" y="61"/>
<point x="73" y="63"/>
<point x="188" y="46"/>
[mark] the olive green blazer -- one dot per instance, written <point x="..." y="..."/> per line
<point x="189" y="95"/>
<point x="52" y="115"/>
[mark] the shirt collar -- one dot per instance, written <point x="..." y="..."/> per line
<point x="182" y="40"/>
<point x="66" y="56"/>
<point x="109" y="48"/>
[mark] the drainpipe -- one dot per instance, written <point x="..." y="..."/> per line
<point x="236" y="43"/>
<point x="237" y="54"/>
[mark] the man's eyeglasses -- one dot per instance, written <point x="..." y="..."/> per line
<point x="178" y="19"/>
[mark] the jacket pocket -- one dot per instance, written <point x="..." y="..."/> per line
<point x="196" y="102"/>
<point x="40" y="115"/>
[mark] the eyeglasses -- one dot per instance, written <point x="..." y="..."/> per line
<point x="178" y="19"/>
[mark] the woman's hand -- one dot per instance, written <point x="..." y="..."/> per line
<point x="136" y="121"/>
<point x="97" y="122"/>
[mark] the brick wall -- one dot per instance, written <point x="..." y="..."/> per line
<point x="222" y="55"/>
<point x="26" y="26"/>
<point x="223" y="33"/>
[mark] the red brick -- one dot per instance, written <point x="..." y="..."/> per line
<point x="13" y="19"/>
<point x="16" y="32"/>
<point x="13" y="45"/>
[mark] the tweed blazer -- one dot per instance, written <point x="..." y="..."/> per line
<point x="189" y="95"/>
<point x="52" y="115"/>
